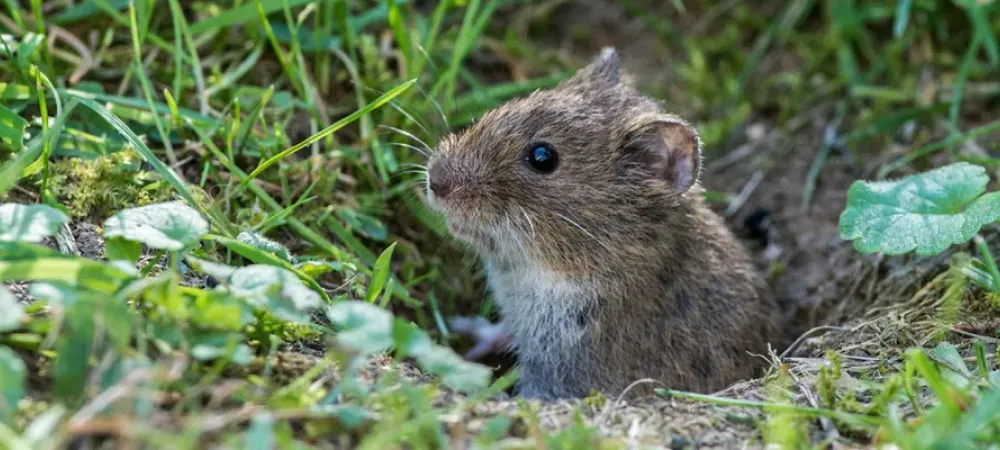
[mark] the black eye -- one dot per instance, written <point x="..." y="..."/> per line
<point x="542" y="157"/>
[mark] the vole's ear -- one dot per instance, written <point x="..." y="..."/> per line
<point x="606" y="67"/>
<point x="667" y="148"/>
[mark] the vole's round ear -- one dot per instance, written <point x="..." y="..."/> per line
<point x="606" y="67"/>
<point x="667" y="148"/>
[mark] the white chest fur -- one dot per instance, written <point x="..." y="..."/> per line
<point x="544" y="310"/>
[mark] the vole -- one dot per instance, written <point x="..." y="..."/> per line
<point x="605" y="263"/>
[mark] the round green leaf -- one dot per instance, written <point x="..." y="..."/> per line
<point x="29" y="223"/>
<point x="276" y="289"/>
<point x="169" y="226"/>
<point x="361" y="326"/>
<point x="11" y="311"/>
<point x="261" y="242"/>
<point x="927" y="212"/>
<point x="454" y="371"/>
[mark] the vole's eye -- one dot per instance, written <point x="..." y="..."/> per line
<point x="542" y="157"/>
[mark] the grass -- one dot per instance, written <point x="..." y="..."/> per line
<point x="306" y="120"/>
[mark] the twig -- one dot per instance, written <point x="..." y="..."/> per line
<point x="795" y="345"/>
<point x="86" y="55"/>
<point x="857" y="419"/>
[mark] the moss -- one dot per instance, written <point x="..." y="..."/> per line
<point x="96" y="188"/>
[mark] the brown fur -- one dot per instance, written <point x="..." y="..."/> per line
<point x="611" y="268"/>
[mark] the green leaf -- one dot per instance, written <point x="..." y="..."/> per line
<point x="454" y="371"/>
<point x="171" y="226"/>
<point x="30" y="223"/>
<point x="409" y="339"/>
<point x="12" y="170"/>
<point x="220" y="310"/>
<point x="72" y="271"/>
<point x="361" y="327"/>
<point x="315" y="268"/>
<point x="275" y="289"/>
<point x="368" y="329"/>
<point x="240" y="354"/>
<point x="263" y="257"/>
<point x="927" y="212"/>
<point x="12" y="128"/>
<point x="11" y="311"/>
<point x="947" y="355"/>
<point x="22" y="251"/>
<point x="73" y="351"/>
<point x="380" y="273"/>
<point x="12" y="375"/>
<point x="261" y="242"/>
<point x="121" y="249"/>
<point x="260" y="436"/>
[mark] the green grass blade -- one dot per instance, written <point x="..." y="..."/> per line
<point x="935" y="146"/>
<point x="856" y="419"/>
<point x="242" y="14"/>
<point x="146" y="85"/>
<point x="963" y="75"/>
<point x="10" y="171"/>
<point x="903" y="8"/>
<point x="375" y="104"/>
<point x="983" y="29"/>
<point x="199" y="77"/>
<point x="399" y="29"/>
<point x="380" y="274"/>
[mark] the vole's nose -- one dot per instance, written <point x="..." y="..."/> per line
<point x="439" y="184"/>
<point x="441" y="188"/>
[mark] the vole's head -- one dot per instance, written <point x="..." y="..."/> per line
<point x="588" y="167"/>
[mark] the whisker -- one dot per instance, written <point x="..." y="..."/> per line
<point x="411" y="147"/>
<point x="517" y="237"/>
<point x="437" y="106"/>
<point x="404" y="112"/>
<point x="409" y="135"/>
<point x="581" y="228"/>
<point x="530" y="223"/>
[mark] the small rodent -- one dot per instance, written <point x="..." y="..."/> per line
<point x="605" y="263"/>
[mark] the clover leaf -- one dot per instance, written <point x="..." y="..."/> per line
<point x="926" y="212"/>
<point x="29" y="223"/>
<point x="171" y="226"/>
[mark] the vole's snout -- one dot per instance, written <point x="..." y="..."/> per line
<point x="438" y="182"/>
<point x="440" y="188"/>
